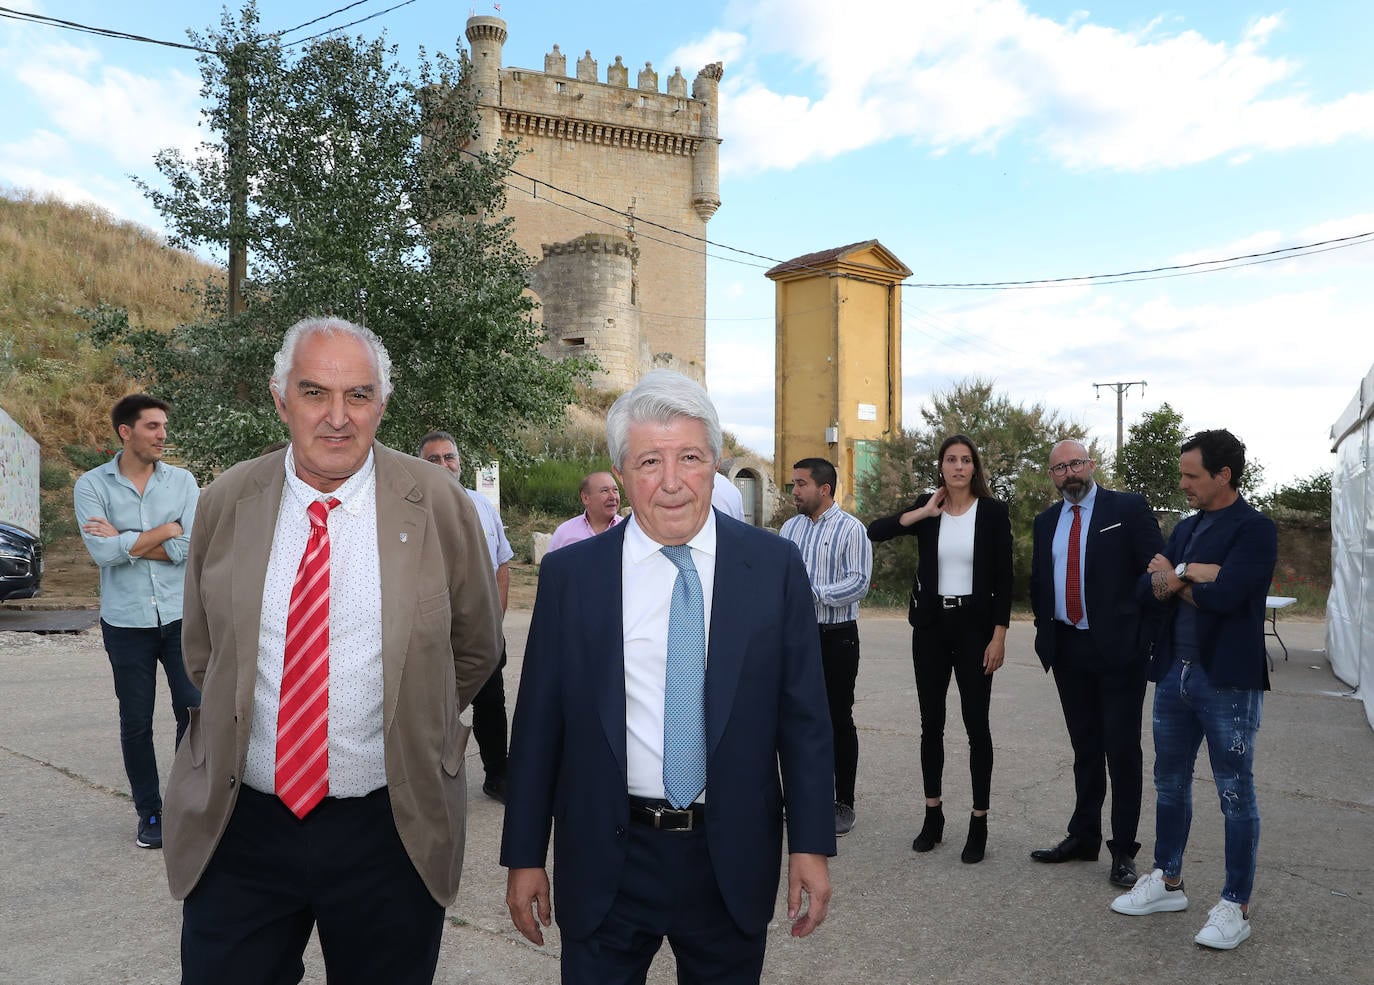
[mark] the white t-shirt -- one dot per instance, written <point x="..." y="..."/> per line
<point x="956" y="552"/>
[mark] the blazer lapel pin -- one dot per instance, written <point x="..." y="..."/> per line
<point x="403" y="536"/>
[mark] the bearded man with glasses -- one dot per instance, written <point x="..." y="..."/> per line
<point x="1089" y="551"/>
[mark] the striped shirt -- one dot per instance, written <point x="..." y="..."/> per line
<point x="838" y="559"/>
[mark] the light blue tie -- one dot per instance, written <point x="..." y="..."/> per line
<point x="684" y="685"/>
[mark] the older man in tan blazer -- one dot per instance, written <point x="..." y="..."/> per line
<point x="340" y="612"/>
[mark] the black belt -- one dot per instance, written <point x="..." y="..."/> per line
<point x="664" y="816"/>
<point x="835" y="627"/>
<point x="954" y="601"/>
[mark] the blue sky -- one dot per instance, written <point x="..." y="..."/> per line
<point x="979" y="141"/>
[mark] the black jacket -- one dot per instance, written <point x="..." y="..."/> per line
<point x="992" y="574"/>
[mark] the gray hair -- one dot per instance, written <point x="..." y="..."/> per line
<point x="660" y="397"/>
<point x="434" y="436"/>
<point x="284" y="360"/>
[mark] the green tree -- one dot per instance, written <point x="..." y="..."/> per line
<point x="365" y="204"/>
<point x="1014" y="441"/>
<point x="1148" y="460"/>
<point x="1307" y="497"/>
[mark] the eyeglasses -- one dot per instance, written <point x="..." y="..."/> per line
<point x="1073" y="465"/>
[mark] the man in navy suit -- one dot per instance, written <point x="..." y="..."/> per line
<point x="1209" y="586"/>
<point x="607" y="716"/>
<point x="1089" y="551"/>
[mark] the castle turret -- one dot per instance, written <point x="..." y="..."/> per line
<point x="706" y="161"/>
<point x="487" y="35"/>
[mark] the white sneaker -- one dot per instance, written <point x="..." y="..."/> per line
<point x="1151" y="894"/>
<point x="1227" y="925"/>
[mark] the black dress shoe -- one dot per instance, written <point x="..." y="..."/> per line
<point x="1123" y="871"/>
<point x="1071" y="849"/>
<point x="495" y="788"/>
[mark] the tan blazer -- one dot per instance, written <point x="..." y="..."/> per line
<point x="441" y="639"/>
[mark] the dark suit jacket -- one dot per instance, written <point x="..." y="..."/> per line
<point x="1122" y="537"/>
<point x="1230" y="614"/>
<point x="441" y="638"/>
<point x="768" y="727"/>
<point x="992" y="574"/>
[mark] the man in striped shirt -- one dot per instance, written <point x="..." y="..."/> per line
<point x="839" y="561"/>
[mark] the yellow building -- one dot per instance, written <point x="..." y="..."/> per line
<point x="839" y="359"/>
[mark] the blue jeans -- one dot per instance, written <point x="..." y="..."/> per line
<point x="1188" y="708"/>
<point x="134" y="655"/>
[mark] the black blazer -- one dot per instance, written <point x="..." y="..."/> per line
<point x="992" y="575"/>
<point x="1122" y="537"/>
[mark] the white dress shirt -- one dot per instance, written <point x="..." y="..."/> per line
<point x="647" y="577"/>
<point x="357" y="764"/>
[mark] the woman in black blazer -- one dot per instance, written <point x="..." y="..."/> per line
<point x="960" y="609"/>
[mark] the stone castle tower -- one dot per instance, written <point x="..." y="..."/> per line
<point x="628" y="291"/>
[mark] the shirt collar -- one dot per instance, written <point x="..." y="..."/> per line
<point x="347" y="494"/>
<point x="638" y="544"/>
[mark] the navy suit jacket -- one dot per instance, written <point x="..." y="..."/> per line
<point x="1230" y="621"/>
<point x="767" y="723"/>
<point x="1122" y="537"/>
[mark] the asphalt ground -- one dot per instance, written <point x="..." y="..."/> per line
<point x="80" y="904"/>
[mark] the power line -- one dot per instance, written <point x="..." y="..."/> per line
<point x="342" y="27"/>
<point x="322" y="17"/>
<point x="104" y="32"/>
<point x="1119" y="277"/>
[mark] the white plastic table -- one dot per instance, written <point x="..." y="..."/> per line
<point x="1274" y="603"/>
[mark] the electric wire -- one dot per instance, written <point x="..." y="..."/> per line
<point x="104" y="32"/>
<point x="343" y="27"/>
<point x="322" y="17"/>
<point x="1119" y="277"/>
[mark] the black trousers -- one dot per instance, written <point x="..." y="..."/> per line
<point x="274" y="877"/>
<point x="667" y="889"/>
<point x="840" y="662"/>
<point x="489" y="721"/>
<point x="1102" y="712"/>
<point x="953" y="645"/>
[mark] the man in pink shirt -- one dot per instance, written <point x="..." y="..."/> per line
<point x="601" y="511"/>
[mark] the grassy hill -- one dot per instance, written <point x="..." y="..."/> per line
<point x="57" y="258"/>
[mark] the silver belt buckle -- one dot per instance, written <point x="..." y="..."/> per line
<point x="949" y="601"/>
<point x="661" y="812"/>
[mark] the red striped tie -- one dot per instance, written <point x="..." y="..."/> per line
<point x="303" y="716"/>
<point x="1073" y="590"/>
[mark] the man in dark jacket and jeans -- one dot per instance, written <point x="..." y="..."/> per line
<point x="1211" y="674"/>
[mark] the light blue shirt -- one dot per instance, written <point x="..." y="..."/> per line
<point x="137" y="592"/>
<point x="1061" y="555"/>
<point x="838" y="558"/>
<point x="498" y="546"/>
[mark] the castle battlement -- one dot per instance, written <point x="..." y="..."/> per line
<point x="593" y="243"/>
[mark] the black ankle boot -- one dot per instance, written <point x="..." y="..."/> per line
<point x="932" y="831"/>
<point x="977" y="838"/>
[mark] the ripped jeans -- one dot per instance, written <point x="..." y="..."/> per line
<point x="1187" y="710"/>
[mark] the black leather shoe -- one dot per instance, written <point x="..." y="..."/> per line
<point x="1071" y="849"/>
<point x="1123" y="871"/>
<point x="495" y="789"/>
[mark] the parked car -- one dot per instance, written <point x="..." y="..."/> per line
<point x="21" y="563"/>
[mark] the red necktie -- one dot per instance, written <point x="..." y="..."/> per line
<point x="1073" y="588"/>
<point x="302" y="776"/>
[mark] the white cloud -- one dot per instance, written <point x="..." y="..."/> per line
<point x="121" y="114"/>
<point x="967" y="74"/>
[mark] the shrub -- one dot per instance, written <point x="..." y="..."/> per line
<point x="53" y="475"/>
<point x="549" y="486"/>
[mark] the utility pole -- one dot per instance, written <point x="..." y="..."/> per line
<point x="1121" y="391"/>
<point x="238" y="176"/>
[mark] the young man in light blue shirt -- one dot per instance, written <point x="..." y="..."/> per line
<point x="135" y="513"/>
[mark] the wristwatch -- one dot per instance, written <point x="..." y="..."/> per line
<point x="1181" y="571"/>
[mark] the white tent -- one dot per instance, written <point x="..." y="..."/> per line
<point x="1350" y="606"/>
